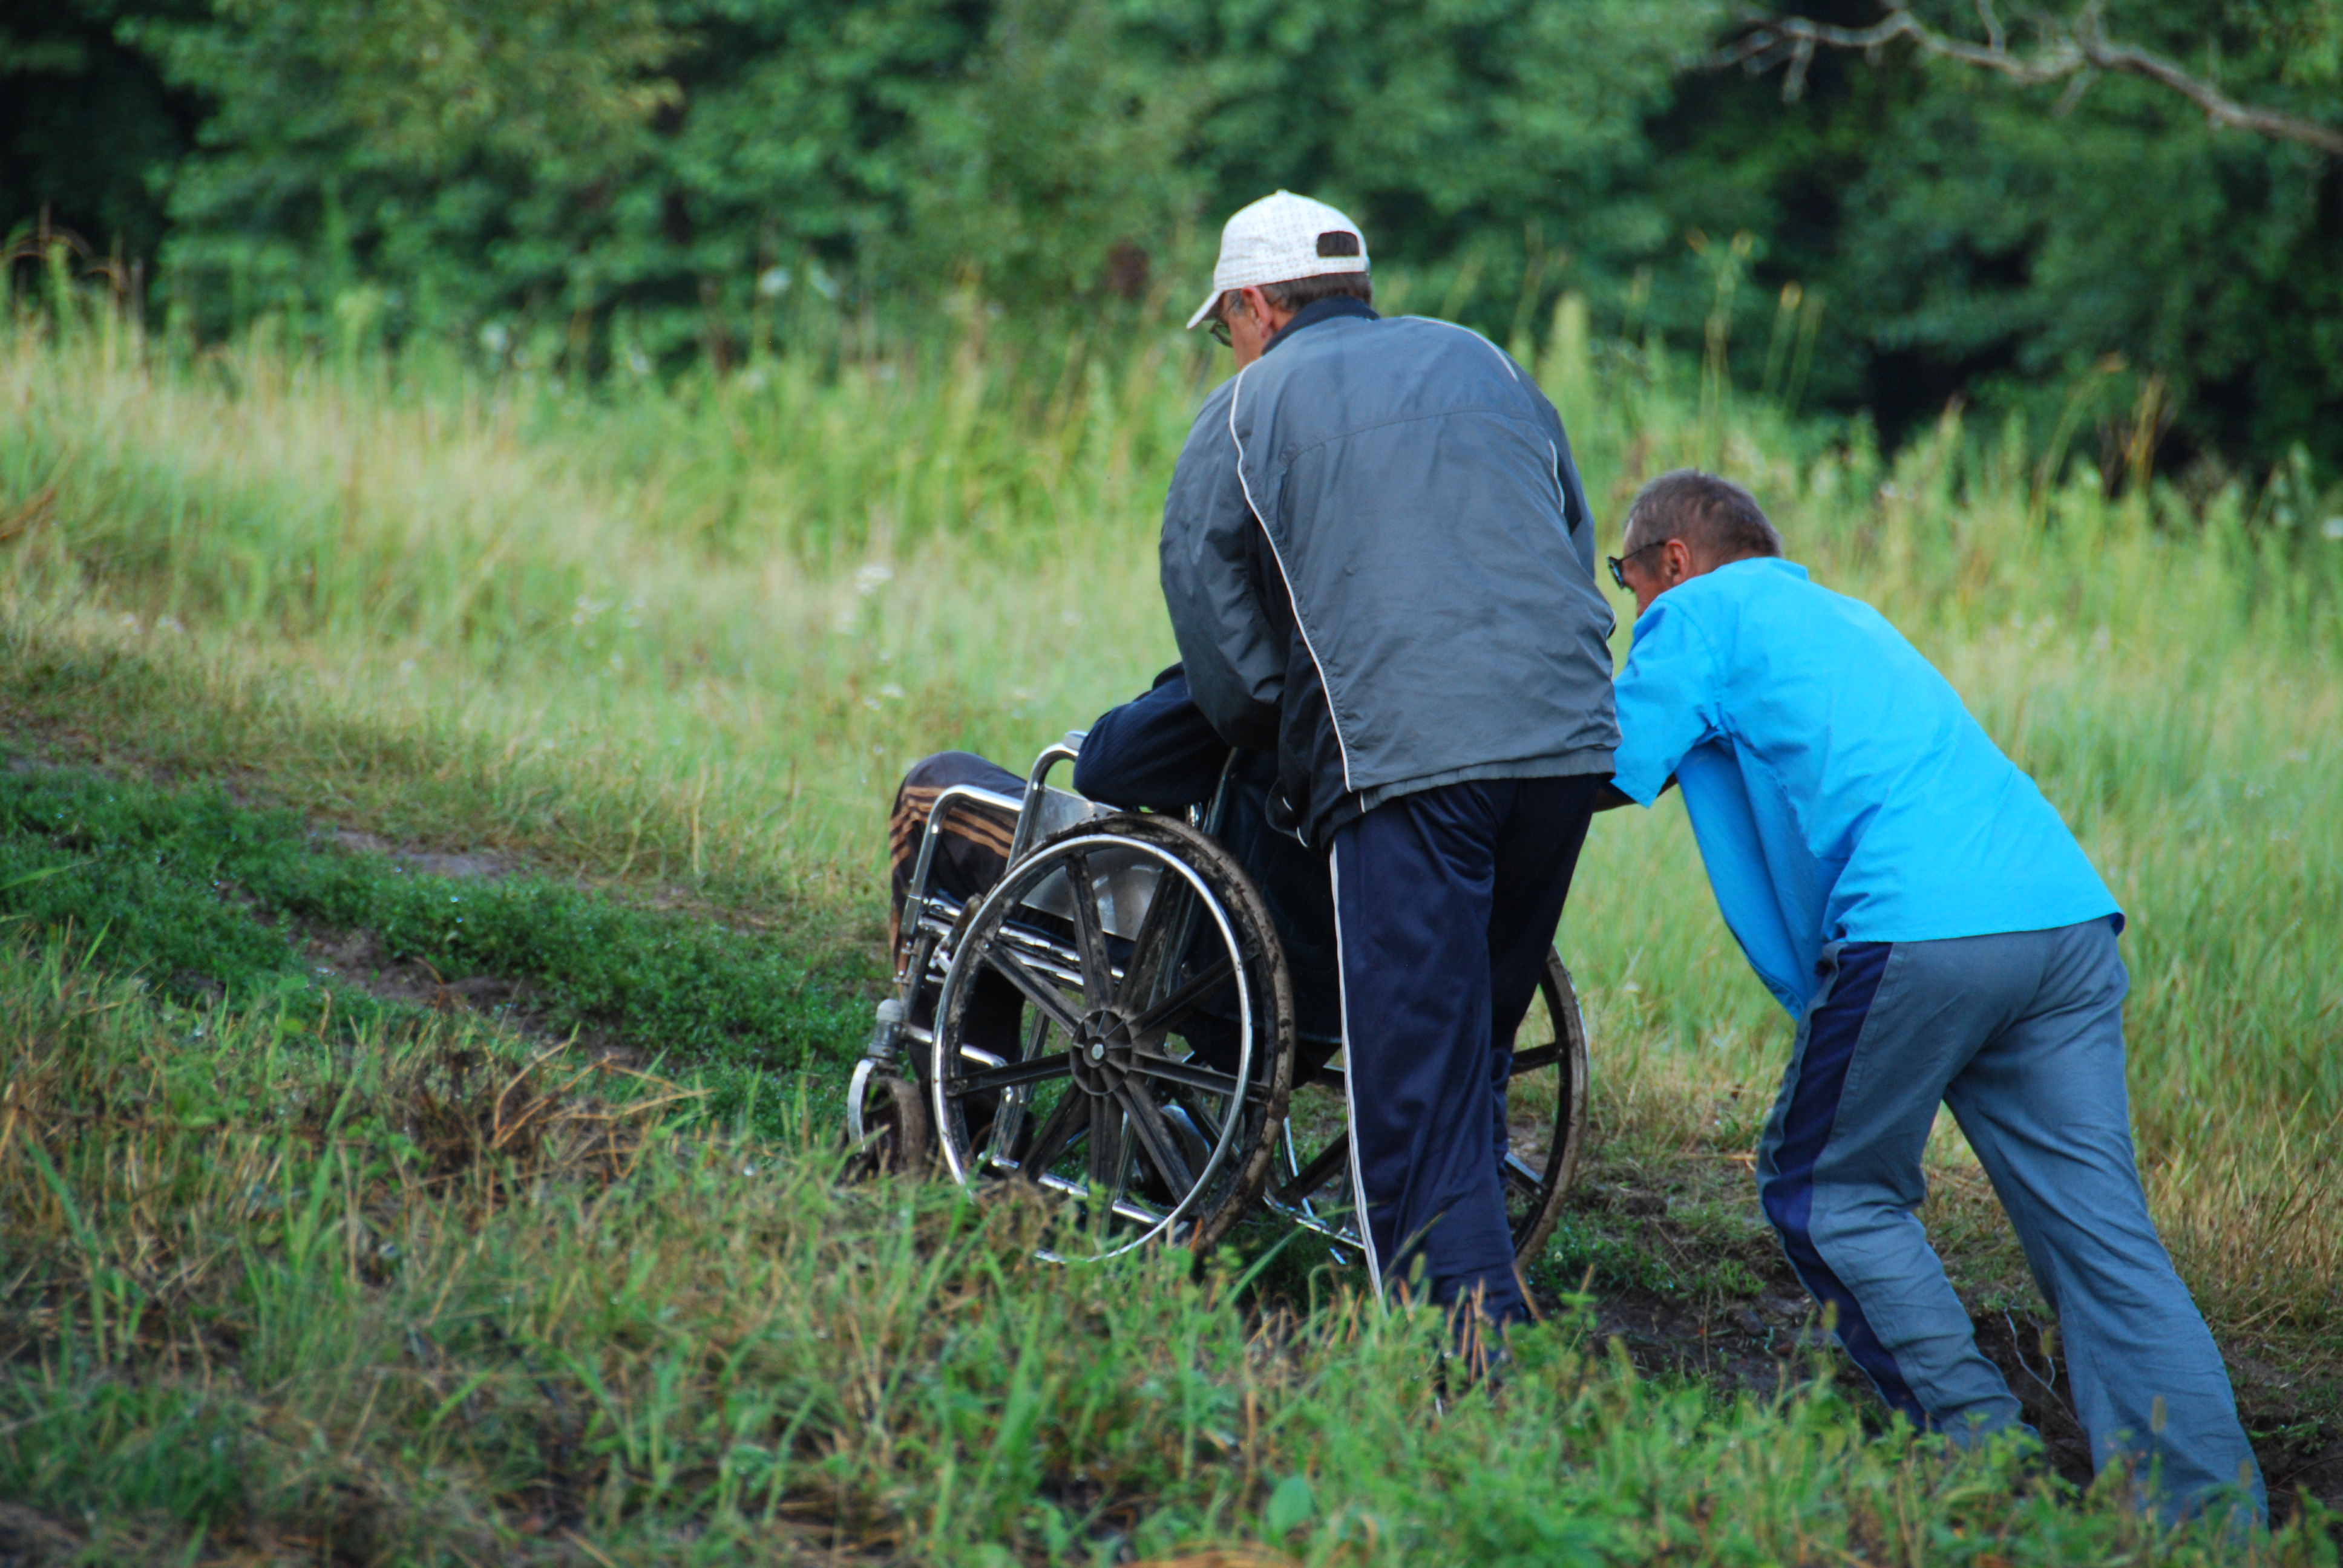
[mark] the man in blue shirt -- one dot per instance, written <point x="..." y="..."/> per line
<point x="1910" y="898"/>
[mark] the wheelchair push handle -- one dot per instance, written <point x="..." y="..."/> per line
<point x="1209" y="817"/>
<point x="1037" y="785"/>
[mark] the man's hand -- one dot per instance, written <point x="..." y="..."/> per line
<point x="1613" y="797"/>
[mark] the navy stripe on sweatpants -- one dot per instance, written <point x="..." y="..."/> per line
<point x="1788" y="1195"/>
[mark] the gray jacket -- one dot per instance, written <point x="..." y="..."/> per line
<point x="1417" y="606"/>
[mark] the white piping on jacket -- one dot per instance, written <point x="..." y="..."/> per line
<point x="1504" y="359"/>
<point x="1333" y="719"/>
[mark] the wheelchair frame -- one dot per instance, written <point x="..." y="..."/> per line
<point x="1206" y="1144"/>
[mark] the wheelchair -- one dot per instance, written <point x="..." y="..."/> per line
<point x="1153" y="1078"/>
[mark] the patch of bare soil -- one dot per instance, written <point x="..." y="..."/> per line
<point x="356" y="958"/>
<point x="423" y="863"/>
<point x="1768" y="1344"/>
<point x="28" y="1536"/>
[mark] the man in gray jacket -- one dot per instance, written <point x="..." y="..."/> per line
<point x="1379" y="566"/>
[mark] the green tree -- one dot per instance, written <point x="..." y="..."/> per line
<point x="1476" y="141"/>
<point x="428" y="144"/>
<point x="1972" y="233"/>
<point x="88" y="128"/>
<point x="552" y="159"/>
<point x="1059" y="164"/>
<point x="1968" y="210"/>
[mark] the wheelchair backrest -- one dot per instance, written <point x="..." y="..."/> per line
<point x="1123" y="879"/>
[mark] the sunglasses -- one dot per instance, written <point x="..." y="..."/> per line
<point x="1618" y="563"/>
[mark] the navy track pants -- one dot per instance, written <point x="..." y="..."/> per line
<point x="1445" y="902"/>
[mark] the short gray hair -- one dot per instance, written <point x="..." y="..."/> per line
<point x="1716" y="517"/>
<point x="1303" y="291"/>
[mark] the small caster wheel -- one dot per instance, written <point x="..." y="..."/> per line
<point x="887" y="1124"/>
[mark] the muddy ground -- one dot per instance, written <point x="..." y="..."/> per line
<point x="1768" y="1341"/>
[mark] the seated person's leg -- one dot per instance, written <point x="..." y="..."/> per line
<point x="971" y="852"/>
<point x="1293" y="882"/>
<point x="972" y="849"/>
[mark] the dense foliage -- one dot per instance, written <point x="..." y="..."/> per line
<point x="642" y="181"/>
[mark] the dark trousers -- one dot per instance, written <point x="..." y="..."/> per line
<point x="1445" y="902"/>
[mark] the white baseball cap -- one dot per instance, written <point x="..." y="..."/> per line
<point x="1278" y="239"/>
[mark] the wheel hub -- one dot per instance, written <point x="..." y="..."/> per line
<point x="1101" y="1058"/>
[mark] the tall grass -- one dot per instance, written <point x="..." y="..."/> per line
<point x="695" y="632"/>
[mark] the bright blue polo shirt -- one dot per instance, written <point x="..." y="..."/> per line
<point x="1838" y="789"/>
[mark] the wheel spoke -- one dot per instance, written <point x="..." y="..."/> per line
<point x="1103" y="1158"/>
<point x="1002" y="1142"/>
<point x="1056" y="1130"/>
<point x="1157" y="1141"/>
<point x="1194" y="1077"/>
<point x="1158" y="1019"/>
<point x="1520" y="1176"/>
<point x="1533" y="1059"/>
<point x="1009" y="1074"/>
<point x="1090" y="936"/>
<point x="1317" y="1173"/>
<point x="1038" y="992"/>
<point x="1153" y="942"/>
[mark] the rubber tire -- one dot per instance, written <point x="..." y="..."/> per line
<point x="1533" y="1228"/>
<point x="1250" y="914"/>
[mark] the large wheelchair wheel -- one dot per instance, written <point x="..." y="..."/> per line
<point x="1545" y="1125"/>
<point x="1545" y="1111"/>
<point x="1141" y="1067"/>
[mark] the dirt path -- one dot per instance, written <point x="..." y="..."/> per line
<point x="1766" y="1343"/>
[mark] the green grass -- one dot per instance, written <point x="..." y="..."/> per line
<point x="276" y="1297"/>
<point x="673" y="648"/>
<point x="200" y="896"/>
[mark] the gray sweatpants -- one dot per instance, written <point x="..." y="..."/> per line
<point x="2022" y="1036"/>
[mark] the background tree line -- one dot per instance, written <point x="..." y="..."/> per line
<point x="631" y="183"/>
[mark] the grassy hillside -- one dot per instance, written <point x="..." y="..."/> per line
<point x="668" y="650"/>
<point x="414" y="1301"/>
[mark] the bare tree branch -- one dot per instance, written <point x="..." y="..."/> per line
<point x="2073" y="53"/>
